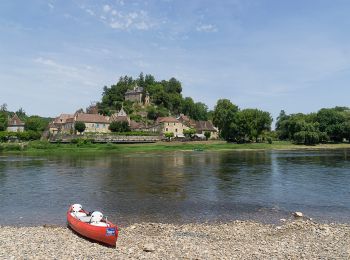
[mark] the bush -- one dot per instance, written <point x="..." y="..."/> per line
<point x="119" y="126"/>
<point x="80" y="127"/>
<point x="306" y="137"/>
<point x="207" y="134"/>
<point x="323" y="137"/>
<point x="269" y="140"/>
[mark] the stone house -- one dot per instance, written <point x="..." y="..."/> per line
<point x="187" y="121"/>
<point x="62" y="123"/>
<point x="207" y="126"/>
<point x="15" y="124"/>
<point x="135" y="95"/>
<point x="94" y="123"/>
<point x="171" y="125"/>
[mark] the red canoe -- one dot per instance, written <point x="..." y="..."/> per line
<point x="104" y="231"/>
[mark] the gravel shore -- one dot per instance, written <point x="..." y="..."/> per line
<point x="235" y="240"/>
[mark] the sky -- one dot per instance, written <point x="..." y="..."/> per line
<point x="56" y="55"/>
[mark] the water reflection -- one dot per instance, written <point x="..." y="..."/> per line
<point x="177" y="186"/>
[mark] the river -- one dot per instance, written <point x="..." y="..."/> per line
<point x="177" y="186"/>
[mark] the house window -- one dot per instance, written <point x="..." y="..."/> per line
<point x="174" y="123"/>
<point x="97" y="125"/>
<point x="168" y="123"/>
<point x="176" y="130"/>
<point x="166" y="129"/>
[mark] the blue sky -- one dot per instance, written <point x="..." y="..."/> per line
<point x="56" y="55"/>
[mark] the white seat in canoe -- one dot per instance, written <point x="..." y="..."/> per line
<point x="99" y="224"/>
<point x="78" y="214"/>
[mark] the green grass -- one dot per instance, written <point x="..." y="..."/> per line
<point x="39" y="147"/>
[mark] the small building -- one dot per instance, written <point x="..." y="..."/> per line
<point x="207" y="126"/>
<point x="171" y="125"/>
<point x="62" y="123"/>
<point x="120" y="116"/>
<point x="94" y="123"/>
<point x="135" y="95"/>
<point x="15" y="124"/>
<point x="187" y="121"/>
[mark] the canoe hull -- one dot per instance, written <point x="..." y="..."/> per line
<point x="105" y="235"/>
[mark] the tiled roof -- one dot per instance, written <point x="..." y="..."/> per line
<point x="15" y="121"/>
<point x="63" y="118"/>
<point x="205" y="126"/>
<point x="168" y="119"/>
<point x="91" y="118"/>
<point x="135" y="125"/>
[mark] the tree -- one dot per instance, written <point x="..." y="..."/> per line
<point x="224" y="117"/>
<point x="120" y="127"/>
<point x="252" y="123"/>
<point x="3" y="121"/>
<point x="21" y="114"/>
<point x="3" y="107"/>
<point x="169" y="135"/>
<point x="189" y="132"/>
<point x="80" y="127"/>
<point x="36" y="123"/>
<point x="207" y="134"/>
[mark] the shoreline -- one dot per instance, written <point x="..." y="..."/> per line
<point x="39" y="148"/>
<point x="233" y="240"/>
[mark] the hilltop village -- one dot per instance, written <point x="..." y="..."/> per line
<point x="178" y="127"/>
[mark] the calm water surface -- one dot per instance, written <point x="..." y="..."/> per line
<point x="177" y="186"/>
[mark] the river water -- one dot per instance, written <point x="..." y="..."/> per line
<point x="177" y="186"/>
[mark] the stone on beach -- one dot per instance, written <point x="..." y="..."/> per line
<point x="298" y="214"/>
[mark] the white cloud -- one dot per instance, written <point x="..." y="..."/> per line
<point x="106" y="8"/>
<point x="90" y="12"/>
<point x="206" y="28"/>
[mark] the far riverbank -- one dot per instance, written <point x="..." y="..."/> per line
<point x="233" y="240"/>
<point x="41" y="147"/>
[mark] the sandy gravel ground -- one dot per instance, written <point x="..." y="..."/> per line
<point x="234" y="240"/>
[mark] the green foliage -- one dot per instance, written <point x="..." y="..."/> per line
<point x="137" y="118"/>
<point x="169" y="135"/>
<point x="36" y="123"/>
<point x="252" y="123"/>
<point x="330" y="124"/>
<point x="165" y="95"/>
<point x="80" y="127"/>
<point x="189" y="132"/>
<point x="119" y="126"/>
<point x="225" y="117"/>
<point x="306" y="137"/>
<point x="269" y="140"/>
<point x="207" y="134"/>
<point x="3" y="120"/>
<point x="22" y="136"/>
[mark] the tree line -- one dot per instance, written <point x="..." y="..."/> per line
<point x="328" y="124"/>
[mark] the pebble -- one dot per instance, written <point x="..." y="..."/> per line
<point x="298" y="214"/>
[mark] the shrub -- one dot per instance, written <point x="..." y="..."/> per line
<point x="269" y="140"/>
<point x="80" y="127"/>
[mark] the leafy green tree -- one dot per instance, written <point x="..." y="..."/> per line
<point x="252" y="123"/>
<point x="173" y="86"/>
<point x="36" y="123"/>
<point x="224" y="117"/>
<point x="207" y="135"/>
<point x="80" y="127"/>
<point x="189" y="132"/>
<point x="120" y="127"/>
<point x="3" y="121"/>
<point x="169" y="135"/>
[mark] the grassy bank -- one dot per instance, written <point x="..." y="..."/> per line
<point x="38" y="147"/>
